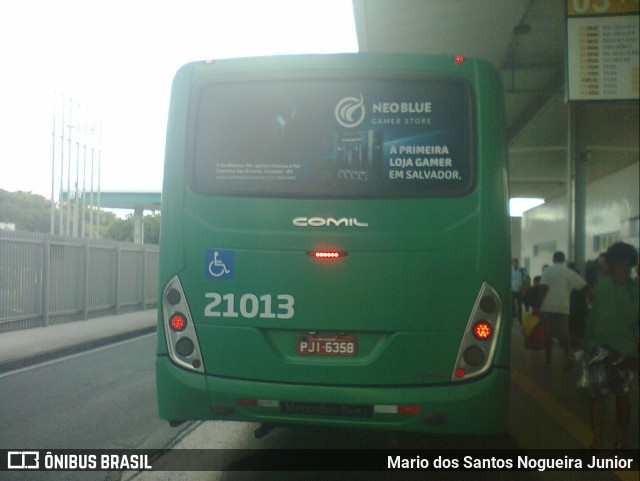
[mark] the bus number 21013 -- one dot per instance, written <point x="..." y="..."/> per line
<point x="249" y="306"/>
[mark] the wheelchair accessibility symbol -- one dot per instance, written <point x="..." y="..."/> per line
<point x="219" y="263"/>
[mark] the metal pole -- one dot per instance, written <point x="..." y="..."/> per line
<point x="53" y="166"/>
<point x="76" y="207"/>
<point x="83" y="205"/>
<point x="144" y="277"/>
<point x="46" y="281"/>
<point x="85" y="280"/>
<point x="99" y="171"/>
<point x="71" y="126"/>
<point x="93" y="137"/>
<point x="117" y="280"/>
<point x="60" y="200"/>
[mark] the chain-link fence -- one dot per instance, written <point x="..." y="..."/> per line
<point x="51" y="279"/>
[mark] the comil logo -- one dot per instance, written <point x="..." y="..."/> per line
<point x="350" y="112"/>
<point x="328" y="222"/>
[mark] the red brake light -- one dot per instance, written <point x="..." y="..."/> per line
<point x="408" y="409"/>
<point x="482" y="330"/>
<point x="459" y="59"/>
<point x="327" y="254"/>
<point x="178" y="322"/>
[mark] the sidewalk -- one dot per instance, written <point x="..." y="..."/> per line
<point x="26" y="347"/>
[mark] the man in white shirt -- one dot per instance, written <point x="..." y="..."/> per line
<point x="556" y="285"/>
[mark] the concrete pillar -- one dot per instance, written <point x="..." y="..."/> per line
<point x="577" y="159"/>
<point x="580" y="211"/>
<point x="571" y="165"/>
<point x="138" y="227"/>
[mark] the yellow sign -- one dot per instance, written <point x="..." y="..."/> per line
<point x="602" y="7"/>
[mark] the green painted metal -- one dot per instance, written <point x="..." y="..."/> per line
<point x="405" y="290"/>
<point x="125" y="200"/>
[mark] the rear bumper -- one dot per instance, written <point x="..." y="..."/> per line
<point x="478" y="407"/>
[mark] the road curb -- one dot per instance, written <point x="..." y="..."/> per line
<point x="13" y="364"/>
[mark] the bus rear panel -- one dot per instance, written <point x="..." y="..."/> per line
<point x="334" y="245"/>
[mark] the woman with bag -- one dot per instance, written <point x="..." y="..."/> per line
<point x="612" y="333"/>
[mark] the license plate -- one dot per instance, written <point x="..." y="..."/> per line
<point x="312" y="345"/>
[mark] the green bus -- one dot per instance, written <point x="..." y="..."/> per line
<point x="335" y="244"/>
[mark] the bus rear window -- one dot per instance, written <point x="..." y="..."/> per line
<point x="335" y="138"/>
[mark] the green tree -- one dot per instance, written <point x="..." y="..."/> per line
<point x="32" y="212"/>
<point x="26" y="210"/>
<point x="152" y="229"/>
<point x="122" y="229"/>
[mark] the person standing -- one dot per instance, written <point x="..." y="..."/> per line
<point x="555" y="289"/>
<point x="612" y="328"/>
<point x="519" y="278"/>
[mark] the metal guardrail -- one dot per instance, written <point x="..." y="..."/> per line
<point x="48" y="279"/>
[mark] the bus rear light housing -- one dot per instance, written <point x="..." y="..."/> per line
<point x="478" y="345"/>
<point x="180" y="333"/>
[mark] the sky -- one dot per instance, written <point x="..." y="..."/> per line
<point x="114" y="61"/>
<point x="107" y="68"/>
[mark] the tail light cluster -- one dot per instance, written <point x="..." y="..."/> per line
<point x="182" y="340"/>
<point x="480" y="337"/>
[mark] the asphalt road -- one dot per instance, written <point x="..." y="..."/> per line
<point x="105" y="399"/>
<point x="101" y="399"/>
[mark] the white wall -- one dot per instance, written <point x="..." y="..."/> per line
<point x="516" y="232"/>
<point x="612" y="203"/>
<point x="612" y="206"/>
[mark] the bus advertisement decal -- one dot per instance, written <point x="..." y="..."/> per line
<point x="336" y="138"/>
